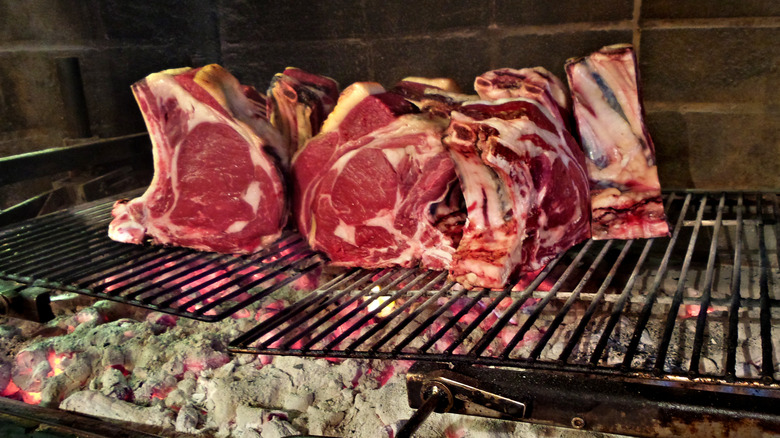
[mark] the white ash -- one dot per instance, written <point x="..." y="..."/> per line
<point x="124" y="363"/>
<point x="95" y="403"/>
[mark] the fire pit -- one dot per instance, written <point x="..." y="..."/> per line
<point x="221" y="343"/>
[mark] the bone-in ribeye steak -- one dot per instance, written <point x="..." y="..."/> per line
<point x="215" y="186"/>
<point x="525" y="188"/>
<point x="301" y="103"/>
<point x="368" y="186"/>
<point x="625" y="191"/>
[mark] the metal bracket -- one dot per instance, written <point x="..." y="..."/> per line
<point x="598" y="402"/>
<point x="446" y="391"/>
<point x="24" y="302"/>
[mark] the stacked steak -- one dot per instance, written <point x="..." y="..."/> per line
<point x="523" y="178"/>
<point x="490" y="186"/>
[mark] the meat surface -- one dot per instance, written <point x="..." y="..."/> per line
<point x="625" y="190"/>
<point x="437" y="96"/>
<point x="301" y="103"/>
<point x="373" y="188"/>
<point x="525" y="187"/>
<point x="533" y="83"/>
<point x="217" y="185"/>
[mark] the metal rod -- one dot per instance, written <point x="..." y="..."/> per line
<point x="701" y="318"/>
<point x="298" y="309"/>
<point x="138" y="272"/>
<point x="494" y="302"/>
<point x="351" y="314"/>
<point x="434" y="399"/>
<point x="736" y="272"/>
<point x="335" y="305"/>
<point x="320" y="303"/>
<point x="427" y="323"/>
<point x="285" y="276"/>
<point x="512" y="310"/>
<point x="412" y="316"/>
<point x="576" y="336"/>
<point x="383" y="322"/>
<point x="370" y="314"/>
<point x="765" y="321"/>
<point x="453" y="321"/>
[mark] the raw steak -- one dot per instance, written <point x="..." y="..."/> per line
<point x="437" y="96"/>
<point x="301" y="103"/>
<point x="215" y="186"/>
<point x="525" y="188"/>
<point x="370" y="186"/>
<point x="533" y="83"/>
<point x="625" y="191"/>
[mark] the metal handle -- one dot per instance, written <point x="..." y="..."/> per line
<point x="435" y="396"/>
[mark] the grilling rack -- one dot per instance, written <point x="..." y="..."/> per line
<point x="609" y="337"/>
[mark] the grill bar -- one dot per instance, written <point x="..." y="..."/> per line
<point x="490" y="335"/>
<point x="767" y="368"/>
<point x="572" y="298"/>
<point x="736" y="276"/>
<point x="701" y="318"/>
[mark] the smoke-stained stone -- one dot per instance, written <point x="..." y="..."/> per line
<point x="30" y="94"/>
<point x="675" y="9"/>
<point x="256" y="63"/>
<point x="191" y="23"/>
<point x="669" y="131"/>
<point x="737" y="65"/>
<point x="717" y="151"/>
<point x="108" y="75"/>
<point x="552" y="50"/>
<point x="50" y="21"/>
<point x="430" y="57"/>
<point x="243" y="21"/>
<point x="532" y="12"/>
<point x="424" y="17"/>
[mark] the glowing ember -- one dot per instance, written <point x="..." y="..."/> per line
<point x="378" y="302"/>
<point x="56" y="363"/>
<point x="31" y="398"/>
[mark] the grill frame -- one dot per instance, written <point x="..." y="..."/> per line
<point x="359" y="288"/>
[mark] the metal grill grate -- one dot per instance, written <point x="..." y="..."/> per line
<point x="71" y="251"/>
<point x="613" y="307"/>
<point x="610" y="307"/>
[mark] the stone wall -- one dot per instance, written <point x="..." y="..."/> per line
<point x="710" y="70"/>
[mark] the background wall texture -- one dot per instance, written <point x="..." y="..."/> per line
<point x="710" y="70"/>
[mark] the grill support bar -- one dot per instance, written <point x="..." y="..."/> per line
<point x="605" y="404"/>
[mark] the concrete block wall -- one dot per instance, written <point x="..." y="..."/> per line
<point x="117" y="43"/>
<point x="710" y="70"/>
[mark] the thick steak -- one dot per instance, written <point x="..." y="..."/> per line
<point x="525" y="187"/>
<point x="215" y="187"/>
<point x="625" y="191"/>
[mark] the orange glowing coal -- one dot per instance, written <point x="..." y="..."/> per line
<point x="378" y="302"/>
<point x="55" y="361"/>
<point x="12" y="390"/>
